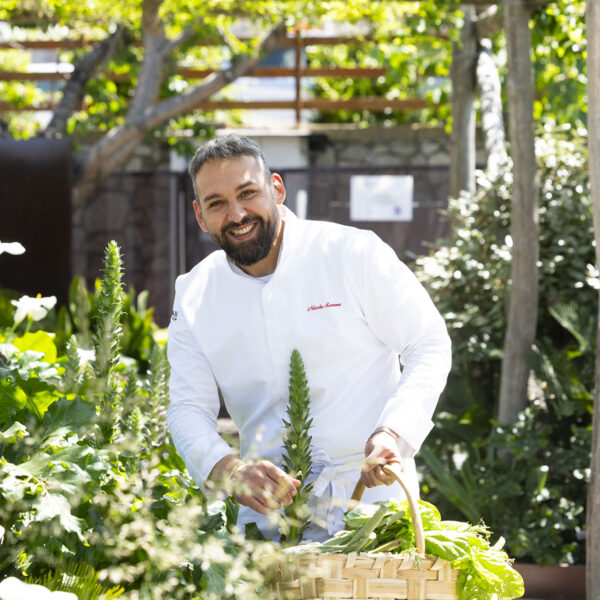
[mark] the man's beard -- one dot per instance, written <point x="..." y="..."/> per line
<point x="250" y="252"/>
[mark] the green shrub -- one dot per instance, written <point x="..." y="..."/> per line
<point x="92" y="492"/>
<point x="528" y="480"/>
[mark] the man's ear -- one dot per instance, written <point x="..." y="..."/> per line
<point x="279" y="188"/>
<point x="199" y="218"/>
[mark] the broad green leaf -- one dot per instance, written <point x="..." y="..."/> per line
<point x="55" y="506"/>
<point x="39" y="341"/>
<point x="497" y="575"/>
<point x="91" y="461"/>
<point x="67" y="414"/>
<point x="39" y="396"/>
<point x="448" y="545"/>
<point x="15" y="482"/>
<point x="12" y="399"/>
<point x="17" y="431"/>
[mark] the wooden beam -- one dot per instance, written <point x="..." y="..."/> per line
<point x="73" y="44"/>
<point x="7" y="107"/>
<point x="34" y="76"/>
<point x="360" y="103"/>
<point x="190" y="73"/>
<point x="65" y="44"/>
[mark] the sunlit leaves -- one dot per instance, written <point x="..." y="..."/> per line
<point x="559" y="43"/>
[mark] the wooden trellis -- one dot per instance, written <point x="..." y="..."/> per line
<point x="298" y="72"/>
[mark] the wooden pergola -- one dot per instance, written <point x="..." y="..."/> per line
<point x="298" y="72"/>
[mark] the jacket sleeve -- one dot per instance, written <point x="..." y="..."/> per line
<point x="194" y="406"/>
<point x="401" y="314"/>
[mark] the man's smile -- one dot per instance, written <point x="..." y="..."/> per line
<point x="243" y="231"/>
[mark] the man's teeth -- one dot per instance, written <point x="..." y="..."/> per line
<point x="243" y="230"/>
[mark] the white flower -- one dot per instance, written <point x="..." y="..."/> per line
<point x="34" y="308"/>
<point x="11" y="248"/>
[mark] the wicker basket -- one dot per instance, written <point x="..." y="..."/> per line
<point x="364" y="576"/>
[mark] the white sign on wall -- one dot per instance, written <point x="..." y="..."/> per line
<point x="381" y="197"/>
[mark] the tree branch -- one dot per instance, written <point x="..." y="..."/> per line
<point x="212" y="84"/>
<point x="152" y="69"/>
<point x="94" y="162"/>
<point x="181" y="39"/>
<point x="82" y="73"/>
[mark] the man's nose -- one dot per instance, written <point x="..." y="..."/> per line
<point x="237" y="212"/>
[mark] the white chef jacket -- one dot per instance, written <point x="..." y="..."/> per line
<point x="342" y="298"/>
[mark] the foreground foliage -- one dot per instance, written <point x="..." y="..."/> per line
<point x="93" y="497"/>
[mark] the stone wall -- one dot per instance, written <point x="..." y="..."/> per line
<point x="134" y="208"/>
<point x="380" y="146"/>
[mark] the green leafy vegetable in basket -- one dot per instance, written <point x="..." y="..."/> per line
<point x="485" y="570"/>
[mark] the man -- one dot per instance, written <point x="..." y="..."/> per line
<point x="337" y="294"/>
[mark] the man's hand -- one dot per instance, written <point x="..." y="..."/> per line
<point x="262" y="486"/>
<point x="381" y="448"/>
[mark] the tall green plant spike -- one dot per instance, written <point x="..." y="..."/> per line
<point x="110" y="305"/>
<point x="297" y="457"/>
<point x="106" y="341"/>
<point x="158" y="391"/>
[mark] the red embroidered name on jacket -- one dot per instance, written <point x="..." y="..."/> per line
<point x="322" y="306"/>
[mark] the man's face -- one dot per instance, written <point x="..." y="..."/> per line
<point x="237" y="206"/>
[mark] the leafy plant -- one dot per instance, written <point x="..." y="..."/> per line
<point x="485" y="570"/>
<point x="527" y="480"/>
<point x="91" y="489"/>
<point x="468" y="273"/>
<point x="81" y="581"/>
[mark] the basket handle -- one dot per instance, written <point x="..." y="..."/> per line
<point x="393" y="469"/>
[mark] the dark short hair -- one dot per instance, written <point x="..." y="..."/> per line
<point x="228" y="146"/>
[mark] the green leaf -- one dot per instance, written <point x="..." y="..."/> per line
<point x="17" y="431"/>
<point x="12" y="399"/>
<point x="56" y="506"/>
<point x="39" y="341"/>
<point x="496" y="574"/>
<point x="448" y="545"/>
<point x="39" y="396"/>
<point x="69" y="414"/>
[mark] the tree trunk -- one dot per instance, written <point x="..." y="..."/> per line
<point x="523" y="300"/>
<point x="593" y="505"/>
<point x="491" y="110"/>
<point x="462" y="139"/>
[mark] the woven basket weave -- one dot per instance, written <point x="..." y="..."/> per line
<point x="364" y="576"/>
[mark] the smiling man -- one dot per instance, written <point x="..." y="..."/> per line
<point x="337" y="294"/>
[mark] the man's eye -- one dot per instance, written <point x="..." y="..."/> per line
<point x="215" y="204"/>
<point x="247" y="193"/>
